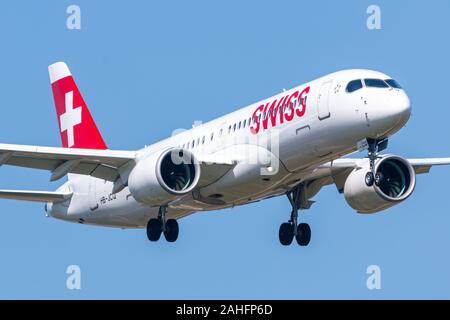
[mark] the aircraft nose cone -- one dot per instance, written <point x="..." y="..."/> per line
<point x="390" y="113"/>
<point x="401" y="109"/>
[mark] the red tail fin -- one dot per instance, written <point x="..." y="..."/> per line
<point x="77" y="128"/>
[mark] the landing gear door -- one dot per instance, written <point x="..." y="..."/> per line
<point x="93" y="202"/>
<point x="323" y="106"/>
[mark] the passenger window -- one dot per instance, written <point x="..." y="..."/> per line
<point x="375" y="83"/>
<point x="245" y="122"/>
<point x="354" y="85"/>
<point x="234" y="127"/>
<point x="203" y="140"/>
<point x="212" y="136"/>
<point x="239" y="125"/>
<point x="393" y="83"/>
<point x="193" y="142"/>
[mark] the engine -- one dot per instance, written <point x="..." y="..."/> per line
<point x="396" y="182"/>
<point x="163" y="176"/>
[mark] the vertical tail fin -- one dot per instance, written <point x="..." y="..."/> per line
<point x="76" y="126"/>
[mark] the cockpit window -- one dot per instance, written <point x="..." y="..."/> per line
<point x="354" y="85"/>
<point x="393" y="83"/>
<point x="375" y="83"/>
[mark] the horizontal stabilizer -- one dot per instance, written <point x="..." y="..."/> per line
<point x="40" y="196"/>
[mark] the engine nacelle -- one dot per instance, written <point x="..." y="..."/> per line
<point x="397" y="184"/>
<point x="163" y="176"/>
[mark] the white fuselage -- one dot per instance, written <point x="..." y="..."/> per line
<point x="284" y="149"/>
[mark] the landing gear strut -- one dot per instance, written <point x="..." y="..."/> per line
<point x="375" y="146"/>
<point x="291" y="229"/>
<point x="157" y="226"/>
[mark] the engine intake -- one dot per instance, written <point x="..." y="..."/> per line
<point x="397" y="179"/>
<point x="174" y="174"/>
<point x="163" y="176"/>
<point x="396" y="182"/>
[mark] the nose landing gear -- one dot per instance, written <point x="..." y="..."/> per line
<point x="157" y="226"/>
<point x="291" y="229"/>
<point x="375" y="146"/>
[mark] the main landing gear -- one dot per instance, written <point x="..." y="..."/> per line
<point x="291" y="229"/>
<point x="157" y="226"/>
<point x="375" y="146"/>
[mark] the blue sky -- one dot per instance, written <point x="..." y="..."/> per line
<point x="147" y="68"/>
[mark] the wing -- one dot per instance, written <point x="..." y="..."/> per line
<point x="40" y="196"/>
<point x="420" y="165"/>
<point x="213" y="168"/>
<point x="424" y="165"/>
<point x="102" y="164"/>
<point x="337" y="171"/>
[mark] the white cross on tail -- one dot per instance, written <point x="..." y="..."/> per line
<point x="70" y="118"/>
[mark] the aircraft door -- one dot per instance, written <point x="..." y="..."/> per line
<point x="323" y="106"/>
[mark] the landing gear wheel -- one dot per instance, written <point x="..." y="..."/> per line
<point x="375" y="146"/>
<point x="303" y="235"/>
<point x="369" y="179"/>
<point x="286" y="233"/>
<point x="379" y="178"/>
<point x="171" y="232"/>
<point x="154" y="229"/>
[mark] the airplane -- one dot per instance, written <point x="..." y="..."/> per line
<point x="291" y="144"/>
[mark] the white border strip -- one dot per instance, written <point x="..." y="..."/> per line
<point x="58" y="71"/>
